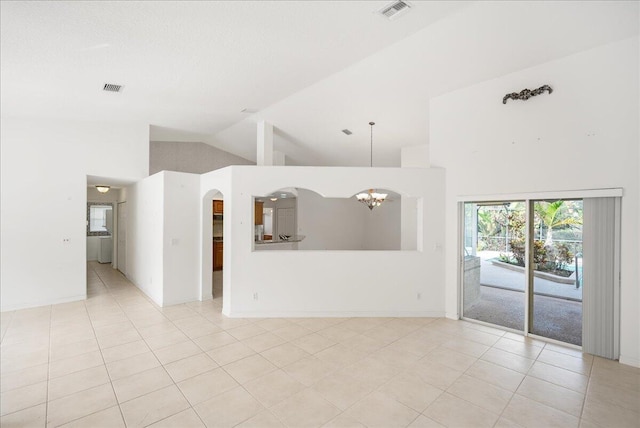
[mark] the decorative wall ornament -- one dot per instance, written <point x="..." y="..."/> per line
<point x="525" y="94"/>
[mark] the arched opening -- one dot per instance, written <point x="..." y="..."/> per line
<point x="213" y="247"/>
<point x="303" y="219"/>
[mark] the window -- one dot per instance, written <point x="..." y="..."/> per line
<point x="99" y="219"/>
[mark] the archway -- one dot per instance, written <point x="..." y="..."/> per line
<point x="212" y="247"/>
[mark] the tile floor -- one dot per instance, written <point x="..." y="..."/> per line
<point x="117" y="360"/>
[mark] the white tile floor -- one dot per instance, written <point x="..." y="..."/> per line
<point x="117" y="359"/>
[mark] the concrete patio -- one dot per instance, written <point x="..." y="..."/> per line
<point x="557" y="310"/>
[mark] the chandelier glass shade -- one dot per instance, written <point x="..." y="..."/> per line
<point x="371" y="198"/>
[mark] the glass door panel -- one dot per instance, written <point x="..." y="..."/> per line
<point x="494" y="264"/>
<point x="556" y="300"/>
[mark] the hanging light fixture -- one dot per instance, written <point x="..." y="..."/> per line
<point x="102" y="188"/>
<point x="371" y="198"/>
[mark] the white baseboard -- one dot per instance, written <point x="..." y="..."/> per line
<point x="634" y="362"/>
<point x="43" y="303"/>
<point x="179" y="302"/>
<point x="328" y="314"/>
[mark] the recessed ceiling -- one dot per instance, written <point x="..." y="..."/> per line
<point x="310" y="68"/>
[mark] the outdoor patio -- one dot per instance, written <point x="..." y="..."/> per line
<point x="557" y="306"/>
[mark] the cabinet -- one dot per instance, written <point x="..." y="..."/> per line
<point x="105" y="248"/>
<point x="259" y="208"/>
<point x="218" y="207"/>
<point x="217" y="255"/>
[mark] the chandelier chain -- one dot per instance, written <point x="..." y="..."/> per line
<point x="371" y="150"/>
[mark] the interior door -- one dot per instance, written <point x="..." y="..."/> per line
<point x="122" y="237"/>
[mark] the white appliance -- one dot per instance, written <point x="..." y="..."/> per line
<point x="105" y="249"/>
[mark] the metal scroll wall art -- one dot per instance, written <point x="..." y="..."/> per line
<point x="525" y="94"/>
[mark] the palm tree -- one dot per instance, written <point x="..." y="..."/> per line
<point x="554" y="215"/>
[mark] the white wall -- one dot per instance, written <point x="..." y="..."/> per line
<point x="113" y="195"/>
<point x="145" y="243"/>
<point x="331" y="283"/>
<point x="330" y="223"/>
<point x="383" y="225"/>
<point x="180" y="238"/>
<point x="45" y="163"/>
<point x="583" y="136"/>
<point x="190" y="157"/>
<point x="163" y="237"/>
<point x="346" y="224"/>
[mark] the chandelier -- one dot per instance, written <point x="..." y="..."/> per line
<point x="371" y="198"/>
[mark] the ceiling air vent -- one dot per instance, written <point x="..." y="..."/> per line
<point x="395" y="9"/>
<point x="346" y="131"/>
<point x="111" y="87"/>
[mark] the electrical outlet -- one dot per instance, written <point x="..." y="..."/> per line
<point x="66" y="240"/>
<point x="419" y="296"/>
<point x="255" y="296"/>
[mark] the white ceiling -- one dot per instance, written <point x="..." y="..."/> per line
<point x="312" y="68"/>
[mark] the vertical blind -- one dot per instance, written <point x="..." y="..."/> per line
<point x="600" y="304"/>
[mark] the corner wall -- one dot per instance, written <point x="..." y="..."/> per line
<point x="180" y="238"/>
<point x="585" y="135"/>
<point x="145" y="238"/>
<point x="163" y="237"/>
<point x="44" y="167"/>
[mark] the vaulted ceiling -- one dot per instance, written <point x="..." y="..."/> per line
<point x="311" y="68"/>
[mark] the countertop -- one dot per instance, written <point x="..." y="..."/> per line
<point x="281" y="241"/>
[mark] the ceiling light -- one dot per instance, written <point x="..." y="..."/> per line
<point x="112" y="87"/>
<point x="273" y="199"/>
<point x="102" y="188"/>
<point x="371" y="198"/>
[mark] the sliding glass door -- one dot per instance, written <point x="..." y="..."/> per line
<point x="494" y="279"/>
<point x="556" y="265"/>
<point x="526" y="265"/>
<point x="524" y="254"/>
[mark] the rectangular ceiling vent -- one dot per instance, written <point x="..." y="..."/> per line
<point x="346" y="131"/>
<point x="111" y="87"/>
<point x="395" y="9"/>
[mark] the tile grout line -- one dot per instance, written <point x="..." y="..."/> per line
<point x="111" y="380"/>
<point x="93" y="329"/>
<point x="101" y="353"/>
<point x="457" y="335"/>
<point x="161" y="365"/>
<point x="46" y="411"/>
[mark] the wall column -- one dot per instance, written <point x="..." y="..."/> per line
<point x="265" y="144"/>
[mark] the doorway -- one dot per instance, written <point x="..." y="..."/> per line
<point x="217" y="236"/>
<point x="121" y="244"/>
<point x="522" y="266"/>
